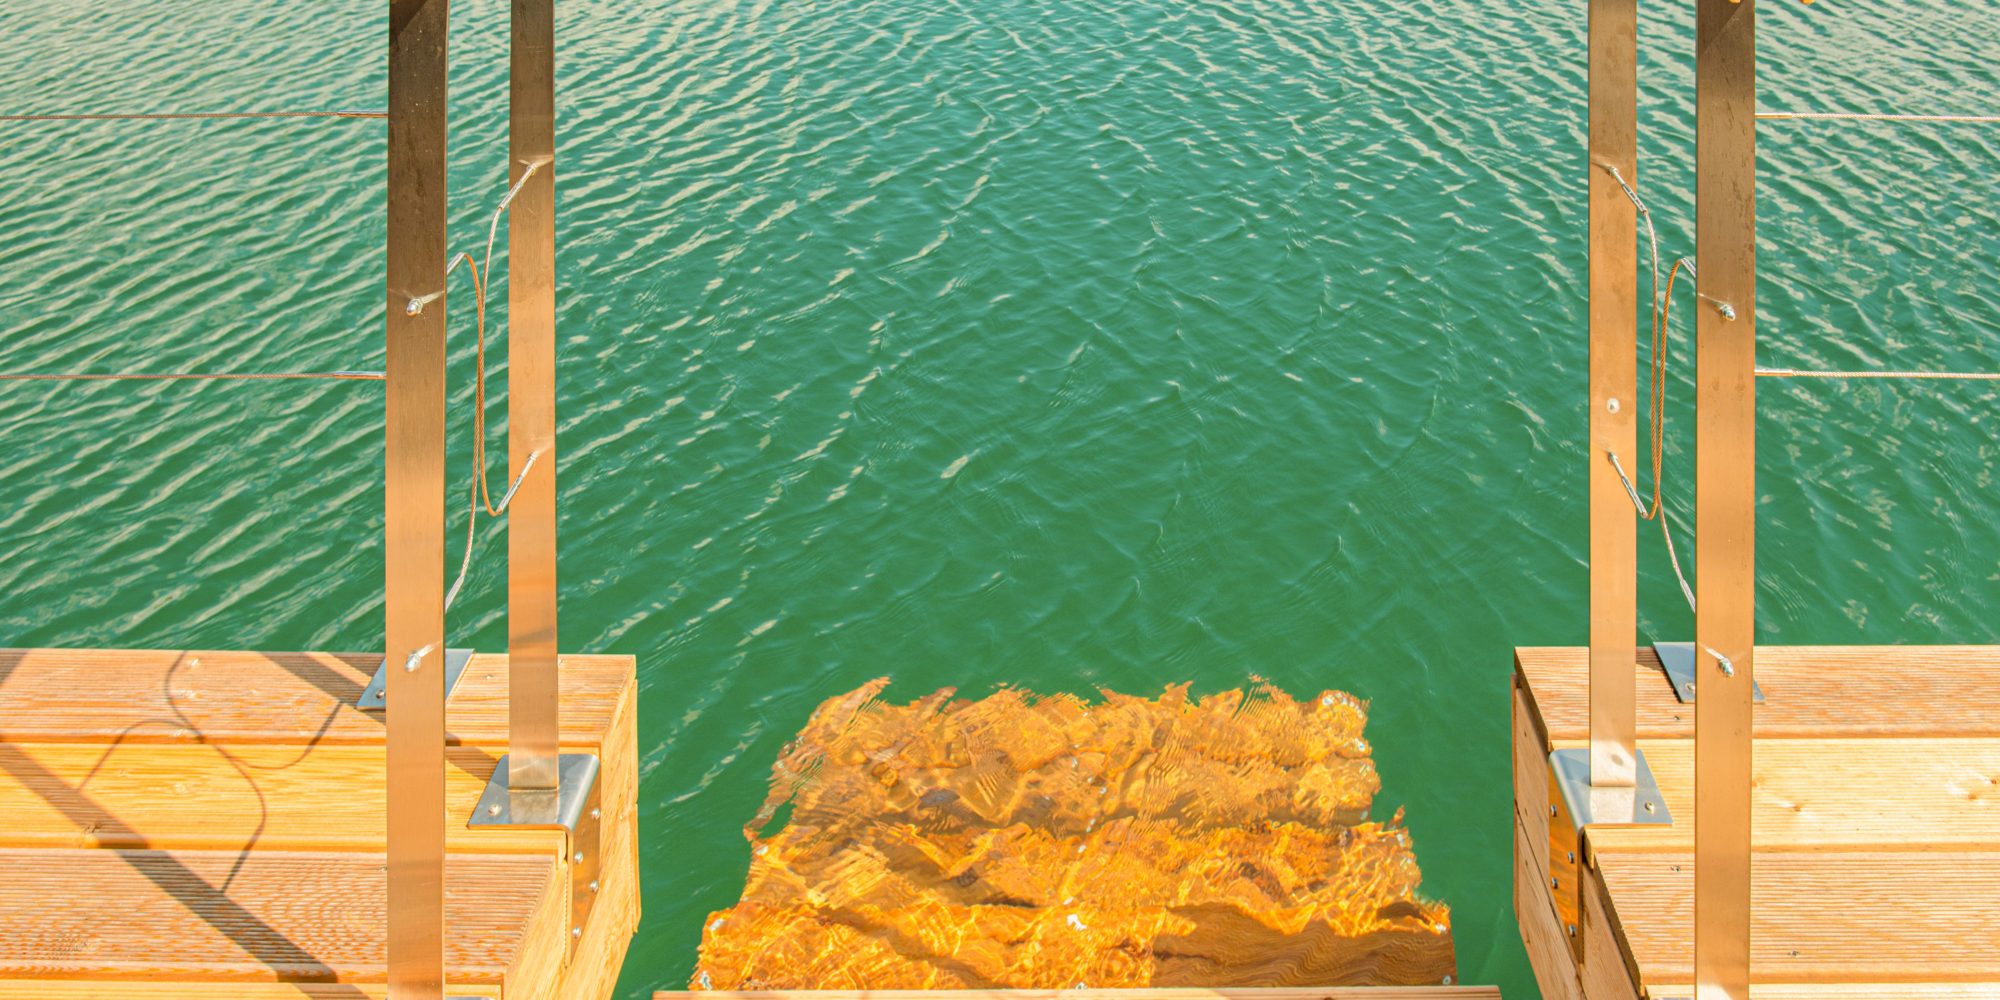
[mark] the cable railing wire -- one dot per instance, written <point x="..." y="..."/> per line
<point x="190" y="115"/>
<point x="1851" y="116"/>
<point x="352" y="376"/>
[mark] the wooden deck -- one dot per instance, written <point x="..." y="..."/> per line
<point x="1876" y="829"/>
<point x="183" y="825"/>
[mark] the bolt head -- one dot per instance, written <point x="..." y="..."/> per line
<point x="596" y="813"/>
<point x="577" y="858"/>
<point x="576" y="932"/>
<point x="593" y="885"/>
<point x="1611" y="405"/>
<point x="493" y="810"/>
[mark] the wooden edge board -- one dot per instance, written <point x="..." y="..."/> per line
<point x="236" y="696"/>
<point x="1825" y="691"/>
<point x="45" y="989"/>
<point x="235" y="798"/>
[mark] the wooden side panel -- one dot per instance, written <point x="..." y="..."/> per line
<point x="593" y="970"/>
<point x="1531" y="782"/>
<point x="1607" y="972"/>
<point x="1548" y="948"/>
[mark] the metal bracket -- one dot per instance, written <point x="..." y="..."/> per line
<point x="1677" y="659"/>
<point x="573" y="806"/>
<point x="1575" y="803"/>
<point x="375" y="697"/>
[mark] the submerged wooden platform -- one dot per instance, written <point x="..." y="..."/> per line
<point x="1876" y="829"/>
<point x="182" y="824"/>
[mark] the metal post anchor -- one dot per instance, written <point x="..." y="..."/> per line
<point x="1575" y="803"/>
<point x="573" y="806"/>
<point x="1677" y="659"/>
<point x="375" y="697"/>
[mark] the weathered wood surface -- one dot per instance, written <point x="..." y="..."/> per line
<point x="1827" y="691"/>
<point x="219" y="833"/>
<point x="1876" y="827"/>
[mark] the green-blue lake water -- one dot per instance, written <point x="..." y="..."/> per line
<point x="974" y="342"/>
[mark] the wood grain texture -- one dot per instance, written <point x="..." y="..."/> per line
<point x="1877" y="917"/>
<point x="186" y="696"/>
<point x="235" y="847"/>
<point x="1547" y="946"/>
<point x="224" y="797"/>
<point x="1823" y="691"/>
<point x="1839" y="794"/>
<point x="1531" y="781"/>
<point x="18" y="989"/>
<point x="217" y="915"/>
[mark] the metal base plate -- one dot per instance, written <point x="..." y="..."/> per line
<point x="1677" y="658"/>
<point x="374" y="697"/>
<point x="1589" y="805"/>
<point x="557" y="808"/>
<point x="1575" y="804"/>
<point x="573" y="806"/>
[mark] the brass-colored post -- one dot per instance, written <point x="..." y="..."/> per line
<point x="533" y="699"/>
<point x="1725" y="489"/>
<point x="415" y="499"/>
<point x="1614" y="347"/>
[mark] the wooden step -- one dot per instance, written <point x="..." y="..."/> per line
<point x="1840" y="794"/>
<point x="190" y="696"/>
<point x="1811" y="691"/>
<point x="1818" y="917"/>
<point x="228" y="797"/>
<point x="220" y="916"/>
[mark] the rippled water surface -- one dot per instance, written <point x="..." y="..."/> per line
<point x="986" y="341"/>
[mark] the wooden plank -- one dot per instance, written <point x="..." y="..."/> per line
<point x="262" y="916"/>
<point x="600" y="954"/>
<point x="1842" y="794"/>
<point x="234" y="696"/>
<point x="222" y="797"/>
<point x="44" y="989"/>
<point x="1541" y="934"/>
<point x="1876" y="917"/>
<point x="1607" y="970"/>
<point x="1811" y="691"/>
<point x="1531" y="780"/>
<point x="1263" y="993"/>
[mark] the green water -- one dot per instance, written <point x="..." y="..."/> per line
<point x="992" y="341"/>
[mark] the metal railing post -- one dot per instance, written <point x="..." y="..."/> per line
<point x="1725" y="489"/>
<point x="415" y="499"/>
<point x="533" y="697"/>
<point x="1614" y="345"/>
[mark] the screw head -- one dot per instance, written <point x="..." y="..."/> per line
<point x="1555" y="883"/>
<point x="1572" y="856"/>
<point x="577" y="858"/>
<point x="576" y="932"/>
<point x="1611" y="405"/>
<point x="593" y="885"/>
<point x="1572" y="930"/>
<point x="596" y="813"/>
<point x="493" y="810"/>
